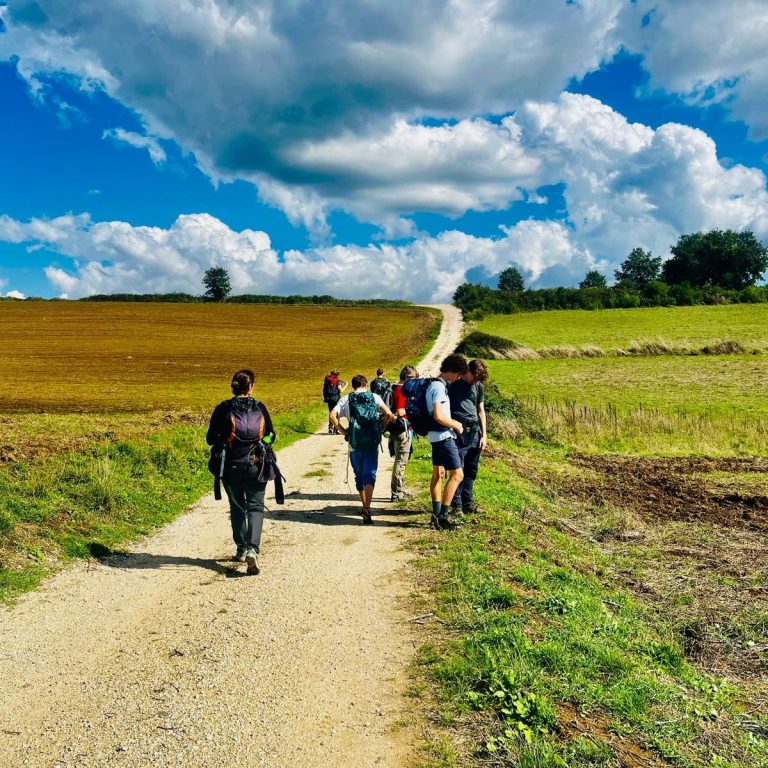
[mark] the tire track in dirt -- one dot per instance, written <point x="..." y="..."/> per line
<point x="168" y="657"/>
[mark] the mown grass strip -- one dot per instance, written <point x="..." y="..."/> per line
<point x="88" y="503"/>
<point x="544" y="663"/>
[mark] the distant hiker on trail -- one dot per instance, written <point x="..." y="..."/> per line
<point x="333" y="386"/>
<point x="445" y="452"/>
<point x="382" y="387"/>
<point x="467" y="396"/>
<point x="240" y="432"/>
<point x="363" y="411"/>
<point x="400" y="434"/>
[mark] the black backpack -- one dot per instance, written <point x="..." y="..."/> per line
<point x="330" y="391"/>
<point x="244" y="448"/>
<point x="382" y="387"/>
<point x="416" y="411"/>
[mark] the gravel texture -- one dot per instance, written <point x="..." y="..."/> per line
<point x="172" y="656"/>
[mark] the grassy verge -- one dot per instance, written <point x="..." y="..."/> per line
<point x="544" y="661"/>
<point x="90" y="502"/>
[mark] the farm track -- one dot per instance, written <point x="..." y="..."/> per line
<point x="168" y="657"/>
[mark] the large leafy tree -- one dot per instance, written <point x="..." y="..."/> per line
<point x="718" y="257"/>
<point x="593" y="279"/>
<point x="639" y="269"/>
<point x="511" y="279"/>
<point x="216" y="282"/>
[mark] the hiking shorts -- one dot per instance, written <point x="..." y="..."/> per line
<point x="364" y="465"/>
<point x="445" y="453"/>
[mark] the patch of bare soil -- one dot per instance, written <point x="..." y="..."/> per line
<point x="597" y="728"/>
<point x="666" y="489"/>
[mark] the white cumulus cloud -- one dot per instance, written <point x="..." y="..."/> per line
<point x="111" y="257"/>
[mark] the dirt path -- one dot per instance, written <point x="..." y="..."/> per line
<point x="168" y="657"/>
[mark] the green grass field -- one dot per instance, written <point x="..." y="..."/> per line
<point x="609" y="328"/>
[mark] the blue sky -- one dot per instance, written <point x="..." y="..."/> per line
<point x="378" y="149"/>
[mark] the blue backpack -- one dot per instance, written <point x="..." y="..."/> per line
<point x="364" y="422"/>
<point x="416" y="411"/>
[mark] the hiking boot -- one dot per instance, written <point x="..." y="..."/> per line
<point x="442" y="523"/>
<point x="252" y="563"/>
<point x="239" y="556"/>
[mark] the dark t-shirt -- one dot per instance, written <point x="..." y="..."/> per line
<point x="465" y="398"/>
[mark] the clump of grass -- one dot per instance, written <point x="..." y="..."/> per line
<point x="568" y="352"/>
<point x="724" y="347"/>
<point x="490" y="347"/>
<point x="318" y="473"/>
<point x="620" y="524"/>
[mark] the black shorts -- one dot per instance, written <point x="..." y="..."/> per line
<point x="445" y="453"/>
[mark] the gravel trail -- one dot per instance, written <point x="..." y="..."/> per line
<point x="171" y="656"/>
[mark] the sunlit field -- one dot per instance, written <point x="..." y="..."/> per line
<point x="610" y="328"/>
<point x="71" y="372"/>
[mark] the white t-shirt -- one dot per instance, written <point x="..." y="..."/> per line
<point x="437" y="392"/>
<point x="342" y="407"/>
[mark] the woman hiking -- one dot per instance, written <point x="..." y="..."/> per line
<point x="240" y="427"/>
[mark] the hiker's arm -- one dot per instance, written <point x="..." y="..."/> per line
<point x="213" y="436"/>
<point x="334" y="417"/>
<point x="444" y="421"/>
<point x="387" y="413"/>
<point x="483" y="426"/>
<point x="343" y="385"/>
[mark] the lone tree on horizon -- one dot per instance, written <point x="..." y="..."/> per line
<point x="511" y="279"/>
<point x="216" y="282"/>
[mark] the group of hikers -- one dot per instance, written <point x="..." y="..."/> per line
<point x="449" y="410"/>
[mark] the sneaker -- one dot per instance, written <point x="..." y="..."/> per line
<point x="252" y="563"/>
<point x="367" y="519"/>
<point x="239" y="556"/>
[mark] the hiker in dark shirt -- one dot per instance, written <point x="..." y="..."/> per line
<point x="467" y="396"/>
<point x="333" y="386"/>
<point x="240" y="426"/>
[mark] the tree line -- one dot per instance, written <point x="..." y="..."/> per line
<point x="715" y="267"/>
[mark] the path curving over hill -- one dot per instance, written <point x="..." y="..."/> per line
<point x="168" y="657"/>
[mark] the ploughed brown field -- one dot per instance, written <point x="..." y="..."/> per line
<point x="72" y="371"/>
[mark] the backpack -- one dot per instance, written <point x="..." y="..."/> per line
<point x="244" y="443"/>
<point x="364" y="422"/>
<point x="243" y="446"/>
<point x="330" y="390"/>
<point x="381" y="386"/>
<point x="416" y="411"/>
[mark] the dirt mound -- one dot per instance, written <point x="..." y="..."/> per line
<point x="670" y="488"/>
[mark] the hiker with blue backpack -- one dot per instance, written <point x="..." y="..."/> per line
<point x="429" y="413"/>
<point x="241" y="434"/>
<point x="366" y="414"/>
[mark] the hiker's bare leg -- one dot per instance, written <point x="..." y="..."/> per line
<point x="455" y="476"/>
<point x="366" y="496"/>
<point x="438" y="473"/>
